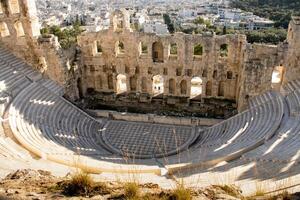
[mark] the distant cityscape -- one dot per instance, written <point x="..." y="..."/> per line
<point x="149" y="16"/>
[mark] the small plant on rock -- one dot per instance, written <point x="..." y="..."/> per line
<point x="132" y="191"/>
<point x="181" y="193"/>
<point x="80" y="183"/>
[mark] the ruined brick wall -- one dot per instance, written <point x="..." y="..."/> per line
<point x="257" y="70"/>
<point x="292" y="58"/>
<point x="20" y="32"/>
<point x="218" y="70"/>
<point x="247" y="69"/>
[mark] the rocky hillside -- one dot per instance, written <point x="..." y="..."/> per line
<point x="38" y="185"/>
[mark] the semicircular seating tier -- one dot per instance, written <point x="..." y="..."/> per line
<point x="15" y="75"/>
<point x="277" y="159"/>
<point x="49" y="126"/>
<point x="232" y="138"/>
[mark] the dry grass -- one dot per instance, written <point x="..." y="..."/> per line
<point x="132" y="191"/>
<point x="82" y="184"/>
<point x="181" y="193"/>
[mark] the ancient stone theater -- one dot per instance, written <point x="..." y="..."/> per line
<point x="232" y="109"/>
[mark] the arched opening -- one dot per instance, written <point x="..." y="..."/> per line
<point x="132" y="81"/>
<point x="157" y="52"/>
<point x="110" y="82"/>
<point x="143" y="48"/>
<point x="183" y="87"/>
<point x="98" y="47"/>
<point x="120" y="48"/>
<point x="121" y="84"/>
<point x="215" y="74"/>
<point x="196" y="87"/>
<point x="208" y="89"/>
<point x="221" y="89"/>
<point x="224" y="50"/>
<point x="118" y="21"/>
<point x="277" y="76"/>
<point x="172" y="86"/>
<point x="4" y="29"/>
<point x="198" y="50"/>
<point x="14" y="6"/>
<point x="144" y="84"/>
<point x="1" y="8"/>
<point x="19" y="29"/>
<point x="120" y="24"/>
<point x="158" y="85"/>
<point x="229" y="75"/>
<point x="173" y="49"/>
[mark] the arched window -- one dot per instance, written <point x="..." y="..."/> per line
<point x="183" y="87"/>
<point x="277" y="75"/>
<point x="221" y="89"/>
<point x="4" y="29"/>
<point x="14" y="6"/>
<point x="143" y="48"/>
<point x="118" y="21"/>
<point x="120" y="48"/>
<point x="196" y="87"/>
<point x="98" y="47"/>
<point x="229" y="75"/>
<point x="19" y="29"/>
<point x="121" y="84"/>
<point x="157" y="52"/>
<point x="1" y="8"/>
<point x="208" y="88"/>
<point x="198" y="50"/>
<point x="110" y="82"/>
<point x="173" y="49"/>
<point x="172" y="86"/>
<point x="132" y="81"/>
<point x="224" y="50"/>
<point x="144" y="84"/>
<point x="158" y="85"/>
<point x="215" y="74"/>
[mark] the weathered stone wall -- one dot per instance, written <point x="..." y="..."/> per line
<point x="292" y="58"/>
<point x="219" y="75"/>
<point x="119" y="67"/>
<point x="20" y="32"/>
<point x="257" y="69"/>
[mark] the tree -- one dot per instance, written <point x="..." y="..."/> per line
<point x="66" y="37"/>
<point x="169" y="23"/>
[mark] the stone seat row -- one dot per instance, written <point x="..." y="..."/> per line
<point x="233" y="128"/>
<point x="277" y="159"/>
<point x="292" y="86"/>
<point x="65" y="133"/>
<point x="28" y="116"/>
<point x="263" y="124"/>
<point x="293" y="99"/>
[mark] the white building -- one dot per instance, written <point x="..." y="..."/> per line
<point x="156" y="27"/>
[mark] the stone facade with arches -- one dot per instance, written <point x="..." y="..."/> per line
<point x="122" y="67"/>
<point x="178" y="59"/>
